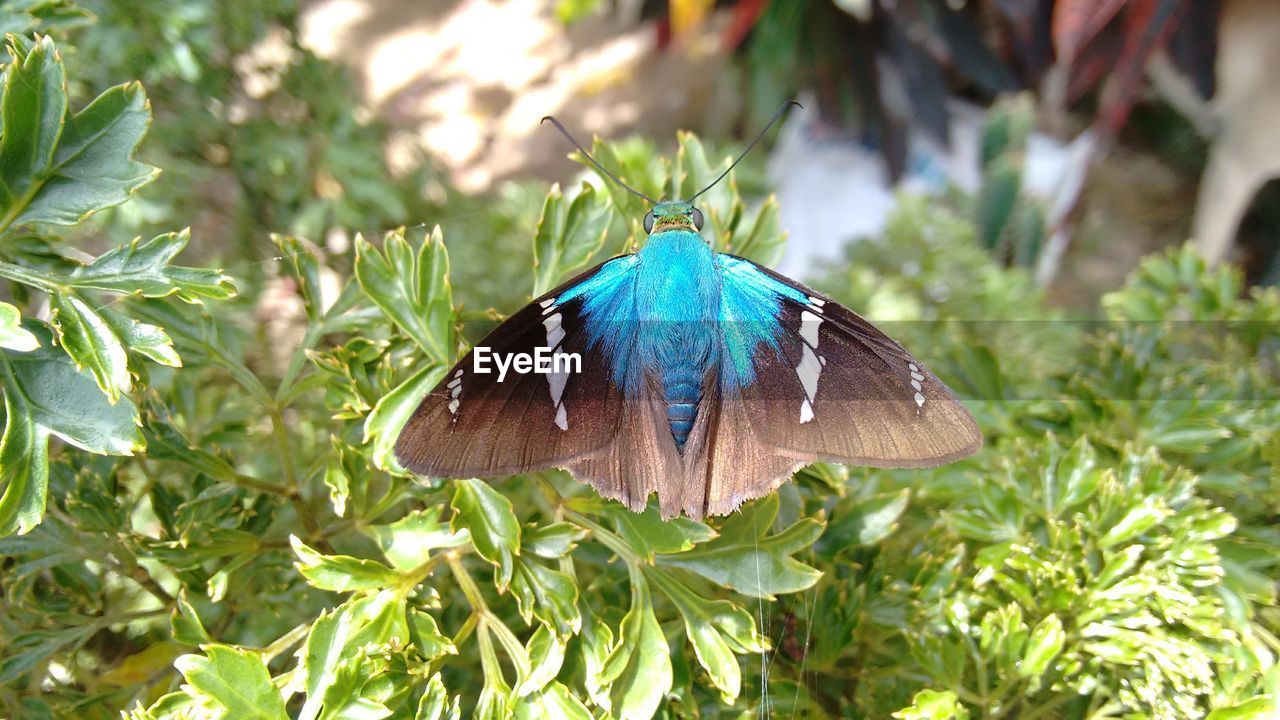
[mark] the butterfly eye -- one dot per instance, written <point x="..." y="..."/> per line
<point x="697" y="219"/>
<point x="648" y="222"/>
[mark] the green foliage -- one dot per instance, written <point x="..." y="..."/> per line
<point x="218" y="534"/>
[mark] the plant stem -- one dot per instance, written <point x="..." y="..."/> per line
<point x="423" y="570"/>
<point x="294" y="492"/>
<point x="466" y="582"/>
<point x="284" y="642"/>
<point x="606" y="538"/>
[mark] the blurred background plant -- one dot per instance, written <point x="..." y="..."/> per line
<point x="200" y="513"/>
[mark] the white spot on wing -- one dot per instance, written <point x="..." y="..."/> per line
<point x="548" y="302"/>
<point x="811" y="363"/>
<point x="555" y="333"/>
<point x="817" y="301"/>
<point x="456" y="391"/>
<point x="916" y="379"/>
<point x="808" y="370"/>
<point x="809" y="327"/>
<point x="806" y="412"/>
<point x="453" y="407"/>
<point x="455" y="382"/>
<point x="556" y="381"/>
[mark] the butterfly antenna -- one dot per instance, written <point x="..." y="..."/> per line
<point x="599" y="167"/>
<point x="776" y="117"/>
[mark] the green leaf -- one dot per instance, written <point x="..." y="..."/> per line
<point x="299" y="256"/>
<point x="21" y="16"/>
<point x="718" y="629"/>
<point x="547" y="594"/>
<point x="143" y="268"/>
<point x="341" y="573"/>
<point x="648" y="534"/>
<point x="491" y="520"/>
<point x="91" y="344"/>
<point x="434" y="703"/>
<point x="60" y="168"/>
<point x="343" y="697"/>
<point x="765" y="241"/>
<point x="1135" y="522"/>
<point x="66" y="402"/>
<point x="546" y="655"/>
<point x="44" y="395"/>
<point x="408" y="542"/>
<point x="235" y="679"/>
<point x="554" y="701"/>
<point x="379" y="619"/>
<point x="383" y="425"/>
<point x="567" y="238"/>
<point x="638" y="668"/>
<point x="594" y="642"/>
<point x="934" y="705"/>
<point x="1258" y="708"/>
<point x="12" y="335"/>
<point x="149" y="341"/>
<point x="185" y="623"/>
<point x="1046" y="642"/>
<point x="868" y="521"/>
<point x="1074" y="479"/>
<point x="34" y="107"/>
<point x="409" y="281"/>
<point x="426" y="635"/>
<point x="746" y="558"/>
<point x="24" y="651"/>
<point x="1001" y="187"/>
<point x="325" y="649"/>
<point x="553" y="541"/>
<point x="24" y="455"/>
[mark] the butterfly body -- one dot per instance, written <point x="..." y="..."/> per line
<point x="706" y="379"/>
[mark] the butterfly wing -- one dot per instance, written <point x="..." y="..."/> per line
<point x="474" y="425"/>
<point x="833" y="387"/>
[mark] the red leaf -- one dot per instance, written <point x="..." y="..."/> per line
<point x="745" y="15"/>
<point x="1148" y="24"/>
<point x="1076" y="22"/>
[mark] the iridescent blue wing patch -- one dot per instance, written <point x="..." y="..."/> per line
<point x="824" y="384"/>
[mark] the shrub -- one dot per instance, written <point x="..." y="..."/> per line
<point x="222" y="537"/>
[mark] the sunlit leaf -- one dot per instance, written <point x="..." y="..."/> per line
<point x="237" y="680"/>
<point x="638" y="668"/>
<point x="341" y="573"/>
<point x="748" y="559"/>
<point x="409" y="281"/>
<point x="569" y="234"/>
<point x="383" y="425"/>
<point x="59" y="168"/>
<point x="12" y="335"/>
<point x="409" y="541"/>
<point x="489" y="517"/>
<point x="934" y="705"/>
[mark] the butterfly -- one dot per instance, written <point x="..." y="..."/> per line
<point x="701" y="376"/>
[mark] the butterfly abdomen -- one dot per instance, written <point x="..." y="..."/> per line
<point x="678" y="299"/>
<point x="683" y="395"/>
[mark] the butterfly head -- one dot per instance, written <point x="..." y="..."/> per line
<point x="673" y="215"/>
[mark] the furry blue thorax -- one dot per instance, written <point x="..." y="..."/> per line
<point x="665" y="313"/>
<point x="677" y="304"/>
